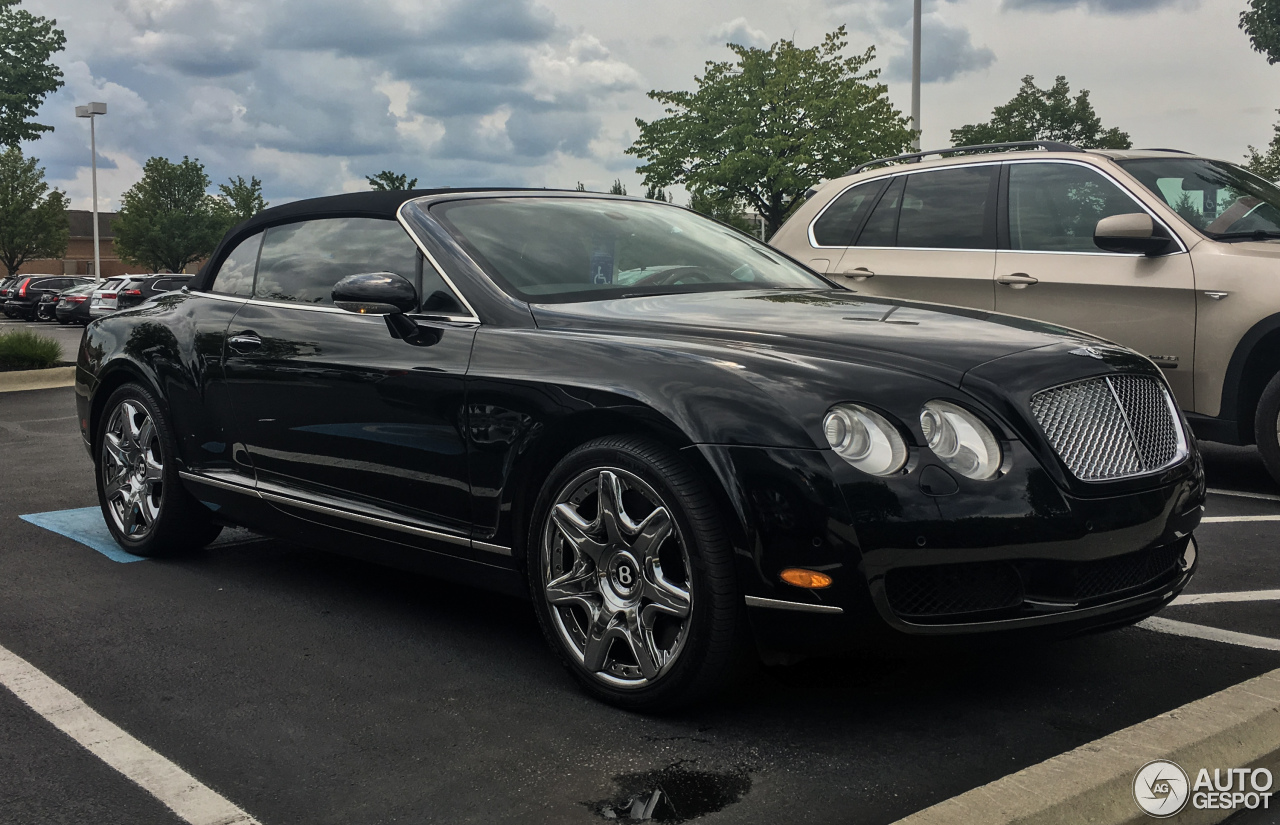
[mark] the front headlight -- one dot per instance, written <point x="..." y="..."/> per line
<point x="961" y="440"/>
<point x="865" y="439"/>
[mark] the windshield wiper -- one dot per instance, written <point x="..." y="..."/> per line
<point x="1255" y="235"/>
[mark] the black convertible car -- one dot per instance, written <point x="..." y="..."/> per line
<point x="680" y="443"/>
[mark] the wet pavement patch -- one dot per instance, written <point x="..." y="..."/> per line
<point x="672" y="794"/>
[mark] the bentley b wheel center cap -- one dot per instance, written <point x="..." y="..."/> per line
<point x="624" y="575"/>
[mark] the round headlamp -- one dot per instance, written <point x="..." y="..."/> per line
<point x="961" y="440"/>
<point x="865" y="439"/>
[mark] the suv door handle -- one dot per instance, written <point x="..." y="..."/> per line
<point x="860" y="273"/>
<point x="1018" y="280"/>
<point x="246" y="341"/>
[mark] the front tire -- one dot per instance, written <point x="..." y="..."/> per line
<point x="147" y="510"/>
<point x="632" y="576"/>
<point x="1266" y="426"/>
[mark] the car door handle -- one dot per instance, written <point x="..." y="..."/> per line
<point x="244" y="341"/>
<point x="860" y="273"/>
<point x="1018" y="280"/>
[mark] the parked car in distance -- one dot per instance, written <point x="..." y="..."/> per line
<point x="679" y="442"/>
<point x="72" y="305"/>
<point x="1173" y="255"/>
<point x="6" y="284"/>
<point x="26" y="292"/>
<point x="130" y="290"/>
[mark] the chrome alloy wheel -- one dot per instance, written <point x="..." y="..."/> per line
<point x="616" y="575"/>
<point x="132" y="469"/>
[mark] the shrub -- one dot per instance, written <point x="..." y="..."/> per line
<point x="23" y="350"/>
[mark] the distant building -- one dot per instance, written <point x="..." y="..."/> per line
<point x="79" y="257"/>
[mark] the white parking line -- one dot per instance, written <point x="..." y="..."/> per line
<point x="1239" y="494"/>
<point x="1212" y="634"/>
<point x="1223" y="519"/>
<point x="177" y="789"/>
<point x="1218" y="598"/>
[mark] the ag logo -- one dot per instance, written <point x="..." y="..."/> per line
<point x="1161" y="788"/>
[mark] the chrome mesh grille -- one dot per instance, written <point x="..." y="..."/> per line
<point x="1113" y="427"/>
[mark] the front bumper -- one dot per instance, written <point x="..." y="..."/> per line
<point x="1016" y="556"/>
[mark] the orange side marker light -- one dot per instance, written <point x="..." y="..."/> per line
<point x="810" y="579"/>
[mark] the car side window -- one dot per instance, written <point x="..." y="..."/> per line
<point x="302" y="261"/>
<point x="838" y="223"/>
<point x="948" y="209"/>
<point x="235" y="276"/>
<point x="1054" y="207"/>
<point x="882" y="225"/>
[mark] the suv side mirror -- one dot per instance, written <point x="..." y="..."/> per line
<point x="1133" y="232"/>
<point x="375" y="293"/>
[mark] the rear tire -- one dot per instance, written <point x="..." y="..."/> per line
<point x="147" y="510"/>
<point x="632" y="576"/>
<point x="1266" y="426"/>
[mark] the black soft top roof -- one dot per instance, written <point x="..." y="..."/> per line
<point x="350" y="205"/>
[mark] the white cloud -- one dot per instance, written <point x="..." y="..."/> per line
<point x="738" y="31"/>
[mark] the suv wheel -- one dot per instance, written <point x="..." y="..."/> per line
<point x="1266" y="426"/>
<point x="146" y="508"/>
<point x="632" y="575"/>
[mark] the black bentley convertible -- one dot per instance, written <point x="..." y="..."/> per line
<point x="678" y="442"/>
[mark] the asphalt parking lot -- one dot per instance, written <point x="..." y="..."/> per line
<point x="308" y="688"/>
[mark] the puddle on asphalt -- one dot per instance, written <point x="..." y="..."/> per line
<point x="671" y="794"/>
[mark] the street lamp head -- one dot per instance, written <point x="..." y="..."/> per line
<point x="91" y="110"/>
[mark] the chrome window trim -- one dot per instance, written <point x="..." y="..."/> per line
<point x="218" y="296"/>
<point x="327" y="308"/>
<point x="813" y="241"/>
<point x="802" y="607"/>
<point x="276" y="498"/>
<point x="1182" y="247"/>
<point x="426" y="253"/>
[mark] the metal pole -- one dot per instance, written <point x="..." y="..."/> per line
<point x="915" y="76"/>
<point x="92" y="145"/>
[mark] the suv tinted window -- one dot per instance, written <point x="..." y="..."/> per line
<point x="882" y="226"/>
<point x="948" y="209"/>
<point x="1054" y="207"/>
<point x="235" y="276"/>
<point x="838" y="223"/>
<point x="302" y="261"/>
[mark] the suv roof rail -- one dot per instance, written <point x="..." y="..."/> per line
<point x="1162" y="149"/>
<point x="1047" y="145"/>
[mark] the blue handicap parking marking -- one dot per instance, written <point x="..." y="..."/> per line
<point x="84" y="525"/>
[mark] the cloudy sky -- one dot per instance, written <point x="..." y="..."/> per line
<point x="312" y="95"/>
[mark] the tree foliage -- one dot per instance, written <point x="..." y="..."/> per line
<point x="618" y="188"/>
<point x="33" y="219"/>
<point x="724" y="209"/>
<point x="388" y="181"/>
<point x="764" y="128"/>
<point x="655" y="193"/>
<point x="1261" y="21"/>
<point x="243" y="198"/>
<point x="27" y="75"/>
<point x="1266" y="164"/>
<point x="1044" y="114"/>
<point x="168" y="220"/>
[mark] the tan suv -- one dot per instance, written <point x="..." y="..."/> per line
<point x="1173" y="255"/>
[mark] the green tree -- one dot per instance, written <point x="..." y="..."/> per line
<point x="33" y="220"/>
<point x="1261" y="21"/>
<point x="723" y="207"/>
<point x="388" y="181"/>
<point x="580" y="187"/>
<point x="618" y="187"/>
<point x="1044" y="114"/>
<point x="243" y="198"/>
<point x="1266" y="164"/>
<point x="27" y="75"/>
<point x="655" y="193"/>
<point x="168" y="219"/>
<point x="764" y="128"/>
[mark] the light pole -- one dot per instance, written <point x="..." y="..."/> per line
<point x="915" y="75"/>
<point x="90" y="111"/>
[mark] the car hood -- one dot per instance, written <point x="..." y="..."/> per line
<point x="932" y="339"/>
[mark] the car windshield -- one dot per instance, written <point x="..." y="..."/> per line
<point x="1220" y="199"/>
<point x="581" y="249"/>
